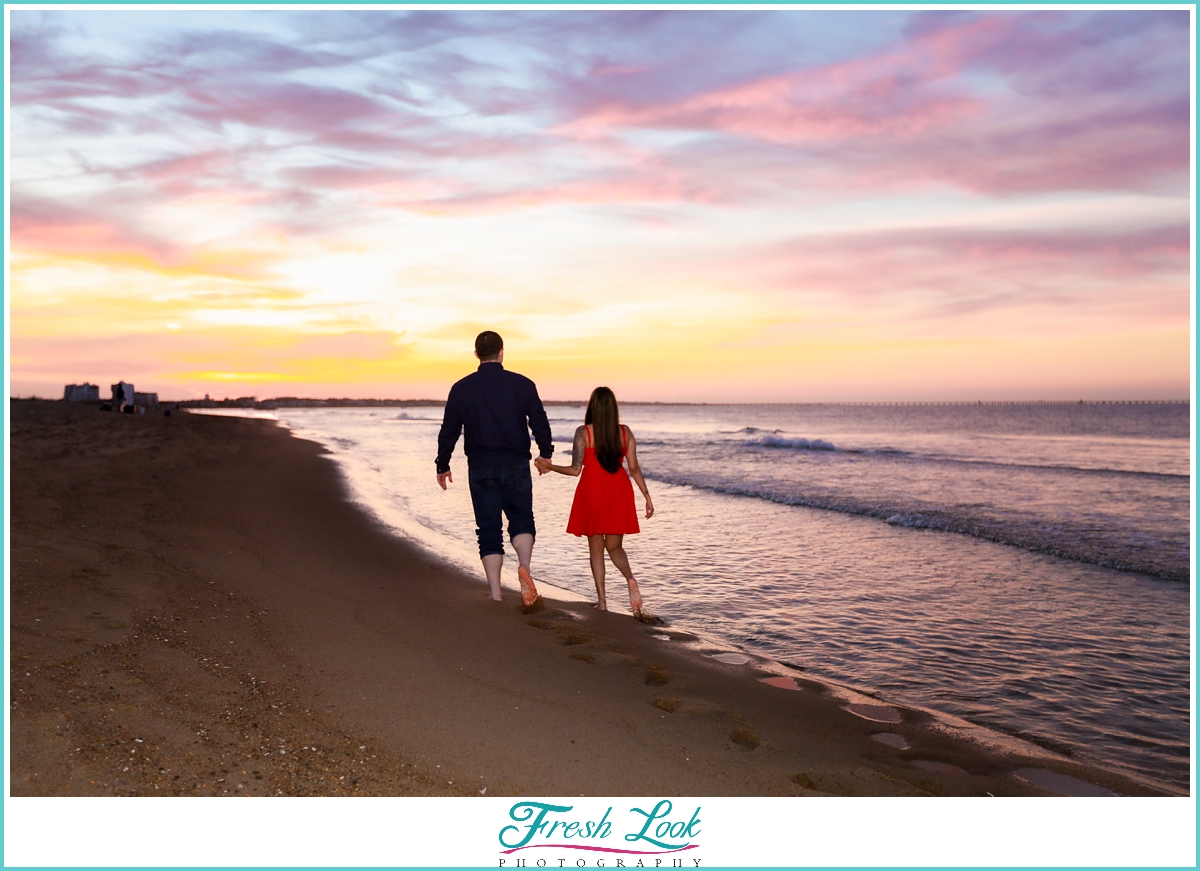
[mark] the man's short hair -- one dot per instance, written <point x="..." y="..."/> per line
<point x="488" y="344"/>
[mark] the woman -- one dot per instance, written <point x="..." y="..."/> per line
<point x="603" y="509"/>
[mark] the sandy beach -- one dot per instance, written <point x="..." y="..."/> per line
<point x="198" y="609"/>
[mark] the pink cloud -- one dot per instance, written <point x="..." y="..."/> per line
<point x="947" y="105"/>
<point x="171" y="169"/>
<point x="903" y="92"/>
<point x="346" y="177"/>
<point x="611" y="69"/>
<point x="998" y="102"/>
<point x="287" y="106"/>
<point x="950" y="272"/>
<point x="52" y="228"/>
<point x="613" y="188"/>
<point x="1039" y="150"/>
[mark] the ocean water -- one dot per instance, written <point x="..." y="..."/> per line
<point x="1023" y="567"/>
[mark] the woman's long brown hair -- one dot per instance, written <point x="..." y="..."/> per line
<point x="605" y="419"/>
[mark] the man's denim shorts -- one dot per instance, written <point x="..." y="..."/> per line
<point x="501" y="488"/>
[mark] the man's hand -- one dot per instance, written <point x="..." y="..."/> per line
<point x="543" y="464"/>
<point x="444" y="477"/>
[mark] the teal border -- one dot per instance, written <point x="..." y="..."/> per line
<point x="600" y="5"/>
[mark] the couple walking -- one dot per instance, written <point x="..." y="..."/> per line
<point x="497" y="409"/>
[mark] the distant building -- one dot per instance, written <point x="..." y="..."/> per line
<point x="81" y="392"/>
<point x="122" y="395"/>
<point x="145" y="400"/>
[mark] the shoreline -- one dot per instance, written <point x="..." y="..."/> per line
<point x="203" y="584"/>
<point x="346" y="402"/>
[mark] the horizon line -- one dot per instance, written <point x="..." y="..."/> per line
<point x="254" y="402"/>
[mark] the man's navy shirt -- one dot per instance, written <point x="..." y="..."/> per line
<point x="492" y="405"/>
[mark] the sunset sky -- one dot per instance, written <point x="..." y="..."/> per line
<point x="781" y="205"/>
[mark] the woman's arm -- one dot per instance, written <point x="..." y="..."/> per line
<point x="577" y="450"/>
<point x="635" y="472"/>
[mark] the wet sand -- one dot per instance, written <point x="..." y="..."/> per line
<point x="197" y="609"/>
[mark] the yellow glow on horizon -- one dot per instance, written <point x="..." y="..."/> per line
<point x="267" y="377"/>
<point x="332" y="322"/>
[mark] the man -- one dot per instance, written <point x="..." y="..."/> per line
<point x="497" y="409"/>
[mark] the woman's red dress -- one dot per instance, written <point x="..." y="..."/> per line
<point x="603" y="500"/>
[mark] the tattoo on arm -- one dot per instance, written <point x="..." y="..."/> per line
<point x="578" y="447"/>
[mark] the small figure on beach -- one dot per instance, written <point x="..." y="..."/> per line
<point x="603" y="508"/>
<point x="497" y="409"/>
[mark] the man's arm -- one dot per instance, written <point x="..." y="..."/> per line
<point x="452" y="425"/>
<point x="540" y="425"/>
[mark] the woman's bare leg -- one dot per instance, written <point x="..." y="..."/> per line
<point x="612" y="543"/>
<point x="596" y="555"/>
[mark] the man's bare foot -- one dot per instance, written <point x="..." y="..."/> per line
<point x="635" y="597"/>
<point x="529" y="593"/>
<point x="599" y="606"/>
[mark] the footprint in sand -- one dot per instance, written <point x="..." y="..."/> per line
<point x="1063" y="784"/>
<point x="784" y="683"/>
<point x="876" y="713"/>
<point x="744" y="737"/>
<point x="891" y="739"/>
<point x="939" y="767"/>
<point x="731" y="658"/>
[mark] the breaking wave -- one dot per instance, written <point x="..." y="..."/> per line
<point x="1062" y="541"/>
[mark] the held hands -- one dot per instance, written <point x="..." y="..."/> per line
<point x="543" y="465"/>
<point x="443" y="477"/>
